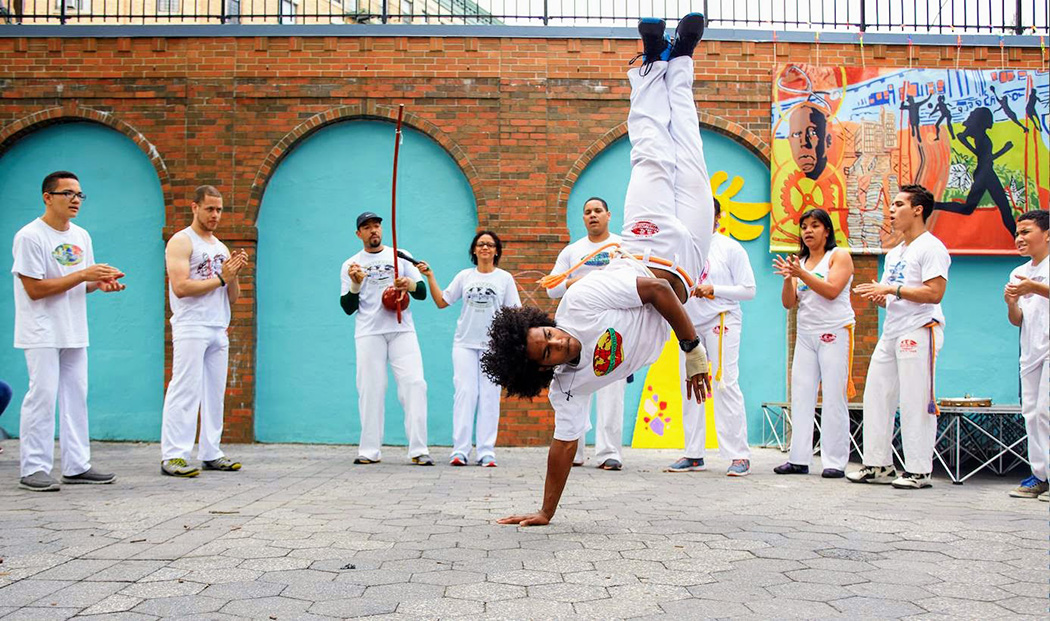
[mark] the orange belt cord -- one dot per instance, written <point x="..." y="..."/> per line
<point x="553" y="280"/>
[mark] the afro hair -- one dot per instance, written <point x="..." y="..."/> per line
<point x="506" y="361"/>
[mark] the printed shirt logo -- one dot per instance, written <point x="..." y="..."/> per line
<point x="480" y="296"/>
<point x="908" y="346"/>
<point x="827" y="338"/>
<point x="608" y="352"/>
<point x="803" y="286"/>
<point x="644" y="228"/>
<point x="599" y="260"/>
<point x="896" y="272"/>
<point x="380" y="273"/>
<point x="68" y="255"/>
<point x="209" y="266"/>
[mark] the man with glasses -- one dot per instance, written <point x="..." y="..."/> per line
<point x="203" y="277"/>
<point x="608" y="436"/>
<point x="54" y="269"/>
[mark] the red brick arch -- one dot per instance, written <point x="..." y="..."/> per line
<point x="367" y="110"/>
<point x="734" y="131"/>
<point x="72" y="113"/>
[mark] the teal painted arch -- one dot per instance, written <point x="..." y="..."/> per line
<point x="306" y="370"/>
<point x="764" y="322"/>
<point x="125" y="216"/>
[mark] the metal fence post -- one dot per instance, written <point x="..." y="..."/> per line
<point x="384" y="17"/>
<point x="546" y="12"/>
<point x="863" y="15"/>
<point x="1018" y="26"/>
<point x="62" y="12"/>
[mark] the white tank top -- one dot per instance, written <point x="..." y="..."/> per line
<point x="816" y="313"/>
<point x="213" y="308"/>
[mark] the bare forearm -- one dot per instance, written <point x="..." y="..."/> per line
<point x="1014" y="314"/>
<point x="192" y="288"/>
<point x="823" y="288"/>
<point x="559" y="464"/>
<point x="233" y="290"/>
<point x="923" y="294"/>
<point x="670" y="308"/>
<point x="47" y="287"/>
<point x="1041" y="289"/>
<point x="788" y="296"/>
<point x="436" y="292"/>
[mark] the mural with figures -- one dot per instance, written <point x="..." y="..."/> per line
<point x="846" y="138"/>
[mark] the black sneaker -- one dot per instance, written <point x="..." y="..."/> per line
<point x="790" y="468"/>
<point x="611" y="464"/>
<point x="832" y="473"/>
<point x="689" y="32"/>
<point x="655" y="44"/>
<point x="90" y="477"/>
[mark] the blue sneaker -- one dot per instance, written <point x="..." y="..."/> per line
<point x="1030" y="488"/>
<point x="487" y="461"/>
<point x="739" y="468"/>
<point x="687" y="464"/>
<point x="656" y="44"/>
<point x="689" y="32"/>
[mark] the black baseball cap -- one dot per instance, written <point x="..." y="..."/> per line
<point x="366" y="216"/>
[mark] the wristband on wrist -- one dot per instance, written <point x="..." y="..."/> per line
<point x="689" y="345"/>
<point x="222" y="282"/>
<point x="898" y="294"/>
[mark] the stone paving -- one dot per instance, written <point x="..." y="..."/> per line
<point x="301" y="533"/>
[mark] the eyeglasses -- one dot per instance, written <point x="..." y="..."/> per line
<point x="484" y="245"/>
<point x="70" y="194"/>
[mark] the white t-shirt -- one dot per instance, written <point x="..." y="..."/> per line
<point x="372" y="317"/>
<point x="910" y="265"/>
<point x="1035" y="321"/>
<point x="59" y="320"/>
<point x="729" y="270"/>
<point x="211" y="309"/>
<point x="482" y="295"/>
<point x="574" y="253"/>
<point x="618" y="335"/>
<point x="816" y="313"/>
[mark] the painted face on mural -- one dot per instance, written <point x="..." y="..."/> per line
<point x="208" y="212"/>
<point x="809" y="139"/>
<point x="595" y="218"/>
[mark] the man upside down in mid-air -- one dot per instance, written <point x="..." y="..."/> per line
<point x="615" y="321"/>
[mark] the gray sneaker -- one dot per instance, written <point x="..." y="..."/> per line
<point x="39" y="482"/>
<point x="222" y="463"/>
<point x="177" y="467"/>
<point x="90" y="477"/>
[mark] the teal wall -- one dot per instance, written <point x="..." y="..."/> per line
<point x="763" y="348"/>
<point x="305" y="389"/>
<point x="125" y="215"/>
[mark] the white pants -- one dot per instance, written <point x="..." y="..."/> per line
<point x="199" y="361"/>
<point x="55" y="374"/>
<point x="1035" y="406"/>
<point x="669" y="208"/>
<point x="608" y="436"/>
<point x="474" y="391"/>
<point x="401" y="349"/>
<point x="822" y="360"/>
<point x="900" y="373"/>
<point x="730" y="416"/>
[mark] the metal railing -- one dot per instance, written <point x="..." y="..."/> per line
<point x="924" y="16"/>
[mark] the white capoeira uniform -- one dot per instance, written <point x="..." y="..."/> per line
<point x="903" y="363"/>
<point x="718" y="322"/>
<point x="482" y="295"/>
<point x="379" y="338"/>
<point x="608" y="437"/>
<point x="1035" y="367"/>
<point x="669" y="214"/>
<point x="199" y="359"/>
<point x="53" y="331"/>
<point x="823" y="351"/>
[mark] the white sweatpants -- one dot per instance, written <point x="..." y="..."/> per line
<point x="199" y="362"/>
<point x="900" y="373"/>
<point x="608" y="435"/>
<point x="730" y="416"/>
<point x="669" y="208"/>
<point x="401" y="349"/>
<point x="55" y="375"/>
<point x="1035" y="406"/>
<point x="474" y="391"/>
<point x="821" y="360"/>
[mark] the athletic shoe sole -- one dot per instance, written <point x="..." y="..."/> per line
<point x="738" y="474"/>
<point x="1017" y="494"/>
<point x="690" y="469"/>
<point x="180" y="475"/>
<point x="50" y="488"/>
<point x="87" y="482"/>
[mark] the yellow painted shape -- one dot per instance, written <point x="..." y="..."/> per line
<point x="662" y="428"/>
<point x="736" y="214"/>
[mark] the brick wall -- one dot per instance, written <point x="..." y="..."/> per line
<point x="522" y="118"/>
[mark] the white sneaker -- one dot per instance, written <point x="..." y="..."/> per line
<point x="912" y="481"/>
<point x="878" y="475"/>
